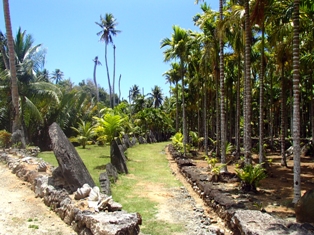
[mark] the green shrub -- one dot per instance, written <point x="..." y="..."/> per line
<point x="214" y="168"/>
<point x="177" y="141"/>
<point x="251" y="176"/>
<point x="5" y="138"/>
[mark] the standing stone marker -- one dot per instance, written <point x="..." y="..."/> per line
<point x="118" y="158"/>
<point x="105" y="183"/>
<point x="112" y="172"/>
<point x="70" y="163"/>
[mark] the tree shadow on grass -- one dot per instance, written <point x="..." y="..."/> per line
<point x="104" y="156"/>
<point x="100" y="167"/>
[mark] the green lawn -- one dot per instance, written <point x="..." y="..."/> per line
<point x="147" y="166"/>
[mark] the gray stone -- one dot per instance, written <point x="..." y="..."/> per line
<point x="126" y="141"/>
<point x="104" y="183"/>
<point x="112" y="172"/>
<point x="71" y="165"/>
<point x="142" y="140"/>
<point x="256" y="222"/>
<point x="112" y="223"/>
<point x="304" y="208"/>
<point x="118" y="158"/>
<point x="82" y="192"/>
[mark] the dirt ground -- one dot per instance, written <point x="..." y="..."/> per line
<point x="22" y="213"/>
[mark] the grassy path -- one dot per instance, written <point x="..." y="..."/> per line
<point x="147" y="186"/>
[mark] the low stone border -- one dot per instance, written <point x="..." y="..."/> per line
<point x="73" y="212"/>
<point x="233" y="211"/>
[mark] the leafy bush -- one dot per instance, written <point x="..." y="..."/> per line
<point x="5" y="138"/>
<point x="214" y="168"/>
<point x="251" y="176"/>
<point x="177" y="141"/>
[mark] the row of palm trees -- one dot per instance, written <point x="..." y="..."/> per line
<point x="240" y="76"/>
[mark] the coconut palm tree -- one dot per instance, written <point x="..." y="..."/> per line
<point x="57" y="75"/>
<point x="96" y="62"/>
<point x="134" y="92"/>
<point x="178" y="48"/>
<point x="173" y="76"/>
<point x="14" y="88"/>
<point x="157" y="96"/>
<point x="108" y="30"/>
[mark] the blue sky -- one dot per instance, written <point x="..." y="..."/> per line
<point x="67" y="29"/>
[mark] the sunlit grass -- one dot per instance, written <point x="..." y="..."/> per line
<point x="147" y="166"/>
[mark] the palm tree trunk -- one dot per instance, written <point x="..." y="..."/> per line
<point x="217" y="117"/>
<point x="248" y="87"/>
<point x="177" y="107"/>
<point x="222" y="95"/>
<point x="238" y="112"/>
<point x="14" y="87"/>
<point x="185" y="136"/>
<point x="114" y="75"/>
<point x="120" y="88"/>
<point x="205" y="120"/>
<point x="296" y="104"/>
<point x="95" y="81"/>
<point x="261" y="102"/>
<point x="108" y="76"/>
<point x="283" y="114"/>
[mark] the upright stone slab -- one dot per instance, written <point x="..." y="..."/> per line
<point x="118" y="158"/>
<point x="112" y="172"/>
<point x="127" y="141"/>
<point x="105" y="183"/>
<point x="71" y="165"/>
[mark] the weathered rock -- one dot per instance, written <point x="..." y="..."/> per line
<point x="104" y="183"/>
<point x="71" y="165"/>
<point x="142" y="140"/>
<point x="112" y="223"/>
<point x="118" y="158"/>
<point x="82" y="192"/>
<point x="41" y="183"/>
<point x="42" y="167"/>
<point x="126" y="141"/>
<point x="151" y="137"/>
<point x="114" y="206"/>
<point x="112" y="172"/>
<point x="304" y="208"/>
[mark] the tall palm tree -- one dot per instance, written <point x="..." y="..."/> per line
<point x="14" y="88"/>
<point x="247" y="88"/>
<point x="157" y="96"/>
<point x="57" y="75"/>
<point x="296" y="102"/>
<point x="222" y="93"/>
<point x="96" y="62"/>
<point x="108" y="30"/>
<point x="173" y="76"/>
<point x="178" y="48"/>
<point x="134" y="92"/>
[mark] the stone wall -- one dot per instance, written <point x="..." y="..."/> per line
<point x="234" y="212"/>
